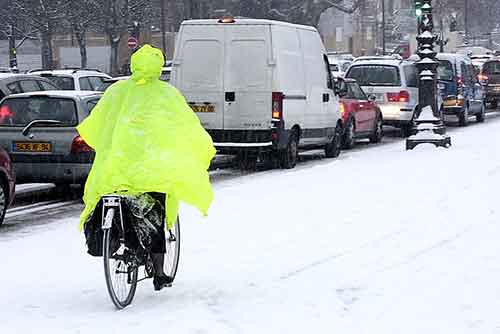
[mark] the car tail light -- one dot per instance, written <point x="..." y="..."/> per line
<point x="342" y="108"/>
<point x="5" y="113"/>
<point x="277" y="112"/>
<point x="402" y="96"/>
<point x="80" y="146"/>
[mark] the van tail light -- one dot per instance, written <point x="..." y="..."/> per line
<point x="80" y="146"/>
<point x="277" y="106"/>
<point x="482" y="78"/>
<point x="402" y="96"/>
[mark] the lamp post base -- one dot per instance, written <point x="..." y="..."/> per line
<point x="444" y="141"/>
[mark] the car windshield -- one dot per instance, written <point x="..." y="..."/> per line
<point x="445" y="70"/>
<point x="492" y="67"/>
<point x="375" y="75"/>
<point x="345" y="65"/>
<point x="63" y="82"/>
<point x="23" y="110"/>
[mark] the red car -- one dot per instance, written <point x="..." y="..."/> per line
<point x="361" y="116"/>
<point x="7" y="183"/>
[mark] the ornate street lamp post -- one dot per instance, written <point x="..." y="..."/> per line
<point x="429" y="126"/>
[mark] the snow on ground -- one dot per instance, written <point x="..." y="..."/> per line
<point x="378" y="241"/>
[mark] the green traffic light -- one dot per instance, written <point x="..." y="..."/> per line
<point x="418" y="8"/>
<point x="418" y="11"/>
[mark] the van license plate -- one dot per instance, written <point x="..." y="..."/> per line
<point x="203" y="108"/>
<point x="32" y="147"/>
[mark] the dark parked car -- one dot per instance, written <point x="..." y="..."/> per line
<point x="11" y="83"/>
<point x="7" y="183"/>
<point x="361" y="116"/>
<point x="490" y="79"/>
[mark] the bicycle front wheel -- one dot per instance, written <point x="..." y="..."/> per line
<point x="120" y="269"/>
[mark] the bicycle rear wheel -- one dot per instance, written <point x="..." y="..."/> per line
<point x="120" y="268"/>
<point x="173" y="238"/>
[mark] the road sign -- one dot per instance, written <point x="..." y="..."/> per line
<point x="132" y="42"/>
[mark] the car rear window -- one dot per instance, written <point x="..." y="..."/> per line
<point x="375" y="75"/>
<point x="22" y="111"/>
<point x="492" y="67"/>
<point x="411" y="75"/>
<point x="64" y="83"/>
<point x="445" y="70"/>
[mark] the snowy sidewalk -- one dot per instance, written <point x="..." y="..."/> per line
<point x="379" y="241"/>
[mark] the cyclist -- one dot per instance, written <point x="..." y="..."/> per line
<point x="150" y="148"/>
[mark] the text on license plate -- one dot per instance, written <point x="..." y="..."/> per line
<point x="203" y="108"/>
<point x="32" y="147"/>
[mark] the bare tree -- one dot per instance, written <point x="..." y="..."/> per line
<point x="81" y="15"/>
<point x="117" y="16"/>
<point x="43" y="16"/>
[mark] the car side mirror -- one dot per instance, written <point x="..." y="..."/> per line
<point x="372" y="98"/>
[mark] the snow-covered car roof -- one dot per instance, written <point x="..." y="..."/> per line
<point x="59" y="93"/>
<point x="452" y="57"/>
<point x="380" y="61"/>
<point x="71" y="72"/>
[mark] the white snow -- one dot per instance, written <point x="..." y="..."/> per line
<point x="379" y="241"/>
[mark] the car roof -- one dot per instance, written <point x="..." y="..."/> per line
<point x="60" y="93"/>
<point x="452" y="57"/>
<point x="19" y="76"/>
<point x="70" y="72"/>
<point x="380" y="61"/>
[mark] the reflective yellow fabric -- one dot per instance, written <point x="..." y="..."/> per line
<point x="147" y="139"/>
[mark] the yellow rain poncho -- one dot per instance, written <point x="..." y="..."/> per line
<point x="147" y="139"/>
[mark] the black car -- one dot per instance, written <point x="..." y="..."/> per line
<point x="490" y="79"/>
<point x="11" y="83"/>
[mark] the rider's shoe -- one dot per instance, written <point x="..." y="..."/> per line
<point x="162" y="281"/>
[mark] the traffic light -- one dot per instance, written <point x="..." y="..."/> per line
<point x="418" y="8"/>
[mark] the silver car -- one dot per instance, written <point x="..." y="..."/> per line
<point x="393" y="82"/>
<point x="38" y="130"/>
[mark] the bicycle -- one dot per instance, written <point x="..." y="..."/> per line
<point x="121" y="264"/>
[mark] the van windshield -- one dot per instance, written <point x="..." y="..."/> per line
<point x="445" y="70"/>
<point x="492" y="67"/>
<point x="22" y="111"/>
<point x="375" y="75"/>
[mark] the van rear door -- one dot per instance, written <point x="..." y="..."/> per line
<point x="248" y="77"/>
<point x="198" y="72"/>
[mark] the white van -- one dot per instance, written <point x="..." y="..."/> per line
<point x="259" y="86"/>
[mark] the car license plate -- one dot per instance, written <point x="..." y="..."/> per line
<point x="203" y="108"/>
<point x="32" y="147"/>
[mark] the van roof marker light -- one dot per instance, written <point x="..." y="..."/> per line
<point x="227" y="19"/>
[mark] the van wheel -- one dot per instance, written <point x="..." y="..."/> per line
<point x="348" y="138"/>
<point x="288" y="156"/>
<point x="481" y="116"/>
<point x="463" y="117"/>
<point x="332" y="150"/>
<point x="378" y="132"/>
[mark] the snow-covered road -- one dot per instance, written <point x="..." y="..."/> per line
<point x="378" y="241"/>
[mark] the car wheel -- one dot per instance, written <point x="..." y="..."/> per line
<point x="481" y="116"/>
<point x="494" y="104"/>
<point x="463" y="118"/>
<point x="332" y="150"/>
<point x="378" y="131"/>
<point x="3" y="200"/>
<point x="407" y="129"/>
<point x="288" y="156"/>
<point x="348" y="137"/>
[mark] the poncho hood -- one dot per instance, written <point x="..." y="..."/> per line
<point x="146" y="64"/>
<point x="147" y="139"/>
